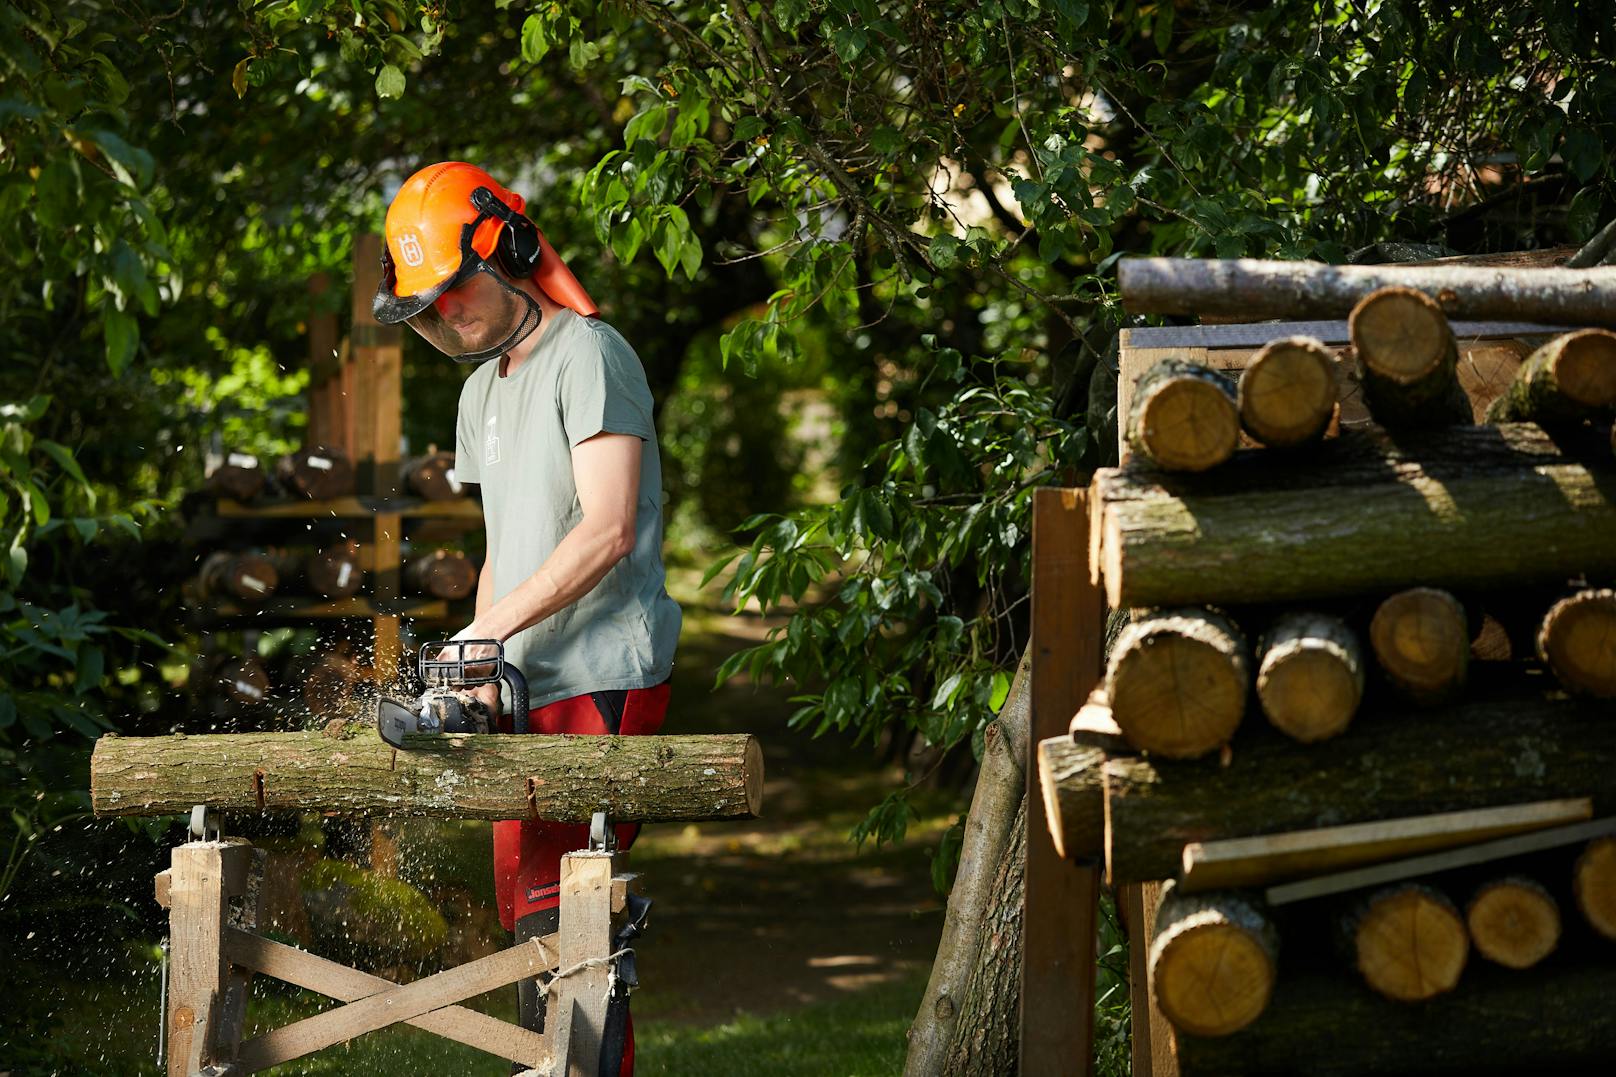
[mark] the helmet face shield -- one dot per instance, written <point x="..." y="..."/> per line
<point x="478" y="317"/>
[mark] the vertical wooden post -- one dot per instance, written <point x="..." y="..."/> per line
<point x="1062" y="899"/>
<point x="579" y="1000"/>
<point x="325" y="371"/>
<point x="197" y="968"/>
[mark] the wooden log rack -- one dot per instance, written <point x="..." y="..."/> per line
<point x="1068" y="628"/>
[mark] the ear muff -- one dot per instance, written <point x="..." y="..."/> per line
<point x="519" y="248"/>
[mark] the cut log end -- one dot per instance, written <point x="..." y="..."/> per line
<point x="1411" y="944"/>
<point x="1310" y="694"/>
<point x="1594" y="885"/>
<point x="1421" y="639"/>
<point x="1212" y="964"/>
<point x="1288" y="392"/>
<point x="1177" y="683"/>
<point x="752" y="764"/>
<point x="1400" y="334"/>
<point x="1585" y="369"/>
<point x="1189" y="426"/>
<point x="1514" y="922"/>
<point x="1578" y="642"/>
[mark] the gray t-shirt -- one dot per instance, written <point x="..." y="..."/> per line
<point x="515" y="436"/>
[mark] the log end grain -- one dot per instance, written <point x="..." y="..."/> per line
<point x="1177" y="682"/>
<point x="1585" y="369"/>
<point x="1594" y="885"/>
<point x="1288" y="392"/>
<point x="1401" y="335"/>
<point x="1577" y="641"/>
<point x="1185" y="421"/>
<point x="1514" y="922"/>
<point x="1410" y="943"/>
<point x="752" y="768"/>
<point x="1421" y="638"/>
<point x="1310" y="679"/>
<point x="1072" y="777"/>
<point x="1212" y="964"/>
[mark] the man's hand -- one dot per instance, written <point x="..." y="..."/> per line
<point x="489" y="694"/>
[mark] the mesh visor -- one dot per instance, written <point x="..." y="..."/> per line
<point x="480" y="317"/>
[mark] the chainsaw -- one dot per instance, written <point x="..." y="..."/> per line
<point x="448" y="705"/>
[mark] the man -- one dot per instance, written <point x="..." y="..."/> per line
<point x="556" y="427"/>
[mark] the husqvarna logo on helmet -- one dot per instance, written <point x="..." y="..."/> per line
<point x="409" y="249"/>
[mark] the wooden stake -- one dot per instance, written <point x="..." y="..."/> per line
<point x="586" y="935"/>
<point x="1578" y="642"/>
<point x="1177" y="682"/>
<point x="1513" y="921"/>
<point x="1409" y="942"/>
<point x="1311" y="676"/>
<point x="1407" y="359"/>
<point x="1288" y="392"/>
<point x="1593" y="883"/>
<point x="1213" y="961"/>
<point x="1570" y="378"/>
<point x="1422" y="641"/>
<point x="1184" y="416"/>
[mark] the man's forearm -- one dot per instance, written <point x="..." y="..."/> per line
<point x="572" y="570"/>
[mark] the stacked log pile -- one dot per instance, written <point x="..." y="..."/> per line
<point x="1357" y="665"/>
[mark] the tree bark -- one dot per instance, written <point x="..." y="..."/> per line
<point x="1513" y="921"/>
<point x="1481" y="754"/>
<point x="1578" y="642"/>
<point x="1569" y="379"/>
<point x="1554" y="1018"/>
<point x="1177" y="682"/>
<point x="1311" y="676"/>
<point x="1288" y="393"/>
<point x="1473" y="507"/>
<point x="1073" y="777"/>
<point x="1407" y="360"/>
<point x="1408" y="942"/>
<point x="1213" y="961"/>
<point x="1254" y="289"/>
<point x="1421" y="639"/>
<point x="1593" y="884"/>
<point x="561" y="778"/>
<point x="1184" y="416"/>
<point x="994" y="836"/>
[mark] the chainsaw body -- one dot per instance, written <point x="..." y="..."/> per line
<point x="448" y="706"/>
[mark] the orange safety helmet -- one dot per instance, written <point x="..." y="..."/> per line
<point x="447" y="228"/>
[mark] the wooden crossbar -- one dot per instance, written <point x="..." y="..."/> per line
<point x="315" y="973"/>
<point x="400" y="1003"/>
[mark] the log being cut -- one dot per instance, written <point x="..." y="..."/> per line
<point x="1467" y="507"/>
<point x="350" y="771"/>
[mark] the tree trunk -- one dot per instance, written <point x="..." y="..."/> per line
<point x="1408" y="942"/>
<point x="1255" y="290"/>
<point x="1578" y="642"/>
<point x="994" y="835"/>
<point x="348" y="770"/>
<point x="1311" y="676"/>
<point x="1475" y="506"/>
<point x="1288" y="393"/>
<point x="1184" y="416"/>
<point x="1554" y="1018"/>
<point x="1513" y="921"/>
<point x="1177" y="682"/>
<point x="1213" y="961"/>
<point x="1593" y="883"/>
<point x="1407" y="360"/>
<point x="1481" y="754"/>
<point x="1566" y="380"/>
<point x="1421" y="639"/>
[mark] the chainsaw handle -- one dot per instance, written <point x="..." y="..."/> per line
<point x="518" y="682"/>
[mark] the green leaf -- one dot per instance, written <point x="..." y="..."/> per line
<point x="535" y="41"/>
<point x="749" y="127"/>
<point x="1582" y="152"/>
<point x="89" y="670"/>
<point x="1001" y="691"/>
<point x="390" y="82"/>
<point x="122" y="334"/>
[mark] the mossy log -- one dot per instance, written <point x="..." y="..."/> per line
<point x="1310" y="678"/>
<point x="1421" y="639"/>
<point x="1407" y="360"/>
<point x="247" y="577"/>
<point x="1177" y="682"/>
<point x="1213" y="961"/>
<point x="1593" y="884"/>
<point x="1408" y="942"/>
<point x="1572" y="377"/>
<point x="1577" y="641"/>
<point x="1497" y="1022"/>
<point x="1184" y="416"/>
<point x="348" y="770"/>
<point x="1288" y="393"/>
<point x="1471" y="507"/>
<point x="1513" y="921"/>
<point x="317" y="472"/>
<point x="447" y="574"/>
<point x="1387" y="765"/>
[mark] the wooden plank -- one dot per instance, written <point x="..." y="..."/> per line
<point x="357" y="507"/>
<point x="1062" y="897"/>
<point x="1151" y="1049"/>
<point x="1276" y="858"/>
<point x="346" y="984"/>
<point x="197" y="967"/>
<point x="586" y="935"/>
<point x="243" y="914"/>
<point x="1430" y="863"/>
<point x="395" y="1004"/>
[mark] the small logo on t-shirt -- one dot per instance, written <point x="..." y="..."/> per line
<point x="491" y="442"/>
